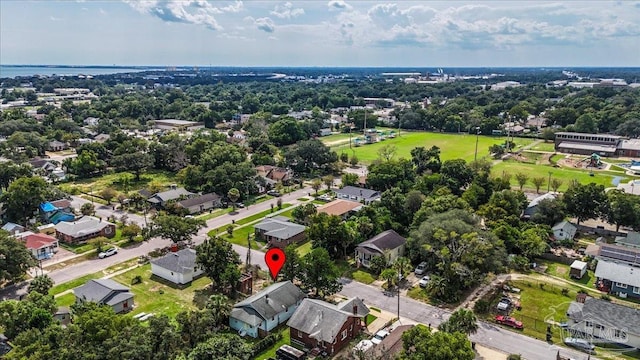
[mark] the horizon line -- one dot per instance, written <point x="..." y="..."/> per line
<point x="316" y="66"/>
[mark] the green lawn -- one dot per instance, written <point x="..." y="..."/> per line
<point x="418" y="293"/>
<point x="79" y="249"/>
<point x="565" y="174"/>
<point x="363" y="276"/>
<point x="452" y="146"/>
<point x="152" y="296"/>
<point x="288" y="213"/>
<point x="544" y="146"/>
<point x="562" y="271"/>
<point x="271" y="352"/>
<point x="304" y="248"/>
<point x="239" y="237"/>
<point x="120" y="181"/>
<point x="260" y="215"/>
<point x="81" y="280"/>
<point x="369" y="319"/>
<point x="66" y="300"/>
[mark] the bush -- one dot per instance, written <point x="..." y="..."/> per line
<point x="481" y="306"/>
<point x="565" y="292"/>
<point x="266" y="343"/>
<point x="514" y="357"/>
<point x="606" y="297"/>
<point x="136" y="280"/>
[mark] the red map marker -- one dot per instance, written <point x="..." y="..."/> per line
<point x="275" y="260"/>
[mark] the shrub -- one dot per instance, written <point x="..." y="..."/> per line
<point x="514" y="357"/>
<point x="565" y="292"/>
<point x="541" y="286"/>
<point x="606" y="297"/>
<point x="136" y="280"/>
<point x="481" y="306"/>
<point x="265" y="343"/>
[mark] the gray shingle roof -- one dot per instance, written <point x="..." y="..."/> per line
<point x="618" y="272"/>
<point x="172" y="194"/>
<point x="180" y="261"/>
<point x="280" y="229"/>
<point x="198" y="200"/>
<point x="319" y="319"/>
<point x="103" y="291"/>
<point x="632" y="239"/>
<point x="356" y="191"/>
<point x="267" y="303"/>
<point x="386" y="240"/>
<point x="83" y="226"/>
<point x="347" y="305"/>
<point x="606" y="313"/>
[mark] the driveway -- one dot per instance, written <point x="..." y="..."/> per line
<point x="488" y="334"/>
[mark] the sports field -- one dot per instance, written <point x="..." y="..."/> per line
<point x="452" y="146"/>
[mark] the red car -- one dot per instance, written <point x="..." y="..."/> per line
<point x="509" y="321"/>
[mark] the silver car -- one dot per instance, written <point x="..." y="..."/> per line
<point x="422" y="267"/>
<point x="581" y="344"/>
<point x="107" y="253"/>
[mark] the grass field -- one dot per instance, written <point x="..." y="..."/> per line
<point x="452" y="146"/>
<point x="565" y="174"/>
<point x="271" y="352"/>
<point x="544" y="146"/>
<point x="152" y="296"/>
<point x="304" y="248"/>
<point x="562" y="271"/>
<point x="121" y="181"/>
<point x="363" y="276"/>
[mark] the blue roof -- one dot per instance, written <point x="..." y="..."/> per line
<point x="62" y="216"/>
<point x="47" y="207"/>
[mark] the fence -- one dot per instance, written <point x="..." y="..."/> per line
<point x="599" y="231"/>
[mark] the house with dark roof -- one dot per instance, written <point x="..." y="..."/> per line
<point x="603" y="321"/>
<point x="279" y="232"/>
<point x="105" y="292"/>
<point x="83" y="229"/>
<point x="260" y="313"/>
<point x="388" y="244"/>
<point x="56" y="145"/>
<point x="618" y="269"/>
<point x="160" y="199"/>
<point x="319" y="326"/>
<point x="632" y="240"/>
<point x="275" y="174"/>
<point x="178" y="267"/>
<point x="42" y="246"/>
<point x="201" y="203"/>
<point x="352" y="193"/>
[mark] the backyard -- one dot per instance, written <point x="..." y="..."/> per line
<point x="452" y="146"/>
<point x="120" y="181"/>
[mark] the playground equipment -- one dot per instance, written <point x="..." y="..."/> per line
<point x="595" y="161"/>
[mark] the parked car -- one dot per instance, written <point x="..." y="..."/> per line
<point x="107" y="253"/>
<point x="424" y="281"/>
<point x="379" y="336"/>
<point x="504" y="304"/>
<point x="324" y="197"/>
<point x="581" y="344"/>
<point x="275" y="193"/>
<point x="509" y="321"/>
<point x="240" y="205"/>
<point x="422" y="267"/>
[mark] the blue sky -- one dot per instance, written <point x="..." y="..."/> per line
<point x="320" y="33"/>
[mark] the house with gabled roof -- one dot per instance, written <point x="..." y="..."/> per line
<point x="12" y="228"/>
<point x="258" y="314"/>
<point x="339" y="207"/>
<point x="388" y="244"/>
<point x="532" y="207"/>
<point x="564" y="230"/>
<point x="105" y="292"/>
<point x="352" y="193"/>
<point x="279" y="232"/>
<point x="83" y="229"/>
<point x="320" y="327"/>
<point x="178" y="267"/>
<point x="160" y="199"/>
<point x="42" y="246"/>
<point x="200" y="203"/>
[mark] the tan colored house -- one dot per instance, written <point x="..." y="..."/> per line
<point x="339" y="207"/>
<point x="388" y="244"/>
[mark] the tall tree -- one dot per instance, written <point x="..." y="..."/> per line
<point x="15" y="258"/>
<point x="176" y="228"/>
<point x="538" y="182"/>
<point x="421" y="343"/>
<point x="132" y="155"/>
<point x="320" y="273"/>
<point x="456" y="174"/>
<point x="220" y="262"/>
<point x="585" y="202"/>
<point x="41" y="284"/>
<point x="622" y="209"/>
<point x="23" y="196"/>
<point x="462" y="320"/>
<point x="426" y="160"/>
<point x="292" y="268"/>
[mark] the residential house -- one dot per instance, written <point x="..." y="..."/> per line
<point x="101" y="138"/>
<point x="83" y="229"/>
<point x="63" y="316"/>
<point x="631" y="240"/>
<point x="391" y="346"/>
<point x="618" y="269"/>
<point x="353" y="193"/>
<point x="56" y="145"/>
<point x="564" y="230"/>
<point x="177" y="125"/>
<point x="54" y="214"/>
<point x="5" y="346"/>
<point x="279" y="232"/>
<point x="42" y="246"/>
<point x="339" y="207"/>
<point x="160" y="199"/>
<point x="201" y="203"/>
<point x="532" y="208"/>
<point x="323" y="327"/>
<point x="42" y="165"/>
<point x="258" y="314"/>
<point x="91" y="121"/>
<point x="12" y="228"/>
<point x="388" y="244"/>
<point x="274" y="173"/>
<point x="178" y="267"/>
<point x="105" y="292"/>
<point x="602" y="321"/>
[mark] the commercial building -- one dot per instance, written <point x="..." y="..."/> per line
<point x="601" y="144"/>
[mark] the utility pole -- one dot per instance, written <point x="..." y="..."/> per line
<point x="475" y="158"/>
<point x="248" y="258"/>
<point x="399" y="274"/>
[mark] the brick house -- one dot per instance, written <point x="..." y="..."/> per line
<point x="83" y="229"/>
<point x="279" y="232"/>
<point x="319" y="326"/>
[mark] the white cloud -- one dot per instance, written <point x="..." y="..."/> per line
<point x="265" y="24"/>
<point x="286" y="11"/>
<point x="53" y="18"/>
<point x="338" y="5"/>
<point x="102" y="11"/>
<point x="197" y="12"/>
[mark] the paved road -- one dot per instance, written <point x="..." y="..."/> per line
<point x="488" y="334"/>
<point x="91" y="266"/>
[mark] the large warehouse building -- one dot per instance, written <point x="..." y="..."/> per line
<point x="601" y="144"/>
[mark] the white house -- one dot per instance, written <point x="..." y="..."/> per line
<point x="262" y="312"/>
<point x="362" y="195"/>
<point x="388" y="244"/>
<point x="564" y="230"/>
<point x="42" y="246"/>
<point x="178" y="267"/>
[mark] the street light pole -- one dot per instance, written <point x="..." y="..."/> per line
<point x="475" y="158"/>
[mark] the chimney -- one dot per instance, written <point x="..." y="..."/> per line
<point x="355" y="309"/>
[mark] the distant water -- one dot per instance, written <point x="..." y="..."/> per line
<point x="10" y="71"/>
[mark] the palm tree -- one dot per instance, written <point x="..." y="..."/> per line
<point x="402" y="265"/>
<point x="219" y="307"/>
<point x="389" y="275"/>
<point x="328" y="181"/>
<point x="316" y="184"/>
<point x="233" y="196"/>
<point x="463" y="321"/>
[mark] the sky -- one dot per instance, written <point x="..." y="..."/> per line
<point x="320" y="33"/>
